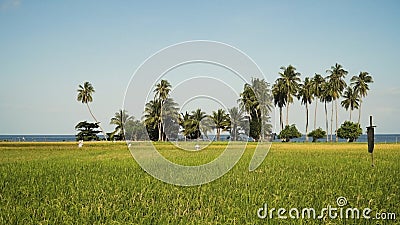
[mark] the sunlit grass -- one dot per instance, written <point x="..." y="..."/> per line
<point x="59" y="183"/>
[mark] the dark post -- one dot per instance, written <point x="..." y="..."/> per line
<point x="371" y="136"/>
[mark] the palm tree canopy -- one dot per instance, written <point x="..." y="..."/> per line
<point x="305" y="92"/>
<point x="336" y="79"/>
<point x="85" y="92"/>
<point x="361" y="82"/>
<point x="120" y="119"/>
<point x="317" y="83"/>
<point x="221" y="119"/>
<point x="279" y="94"/>
<point x="290" y="79"/>
<point x="351" y="100"/>
<point x="162" y="90"/>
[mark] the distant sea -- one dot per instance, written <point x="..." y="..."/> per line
<point x="379" y="138"/>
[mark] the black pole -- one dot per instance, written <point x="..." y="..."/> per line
<point x="371" y="137"/>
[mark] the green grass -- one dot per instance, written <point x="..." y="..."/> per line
<point x="57" y="183"/>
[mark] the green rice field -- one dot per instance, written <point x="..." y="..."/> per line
<point x="101" y="183"/>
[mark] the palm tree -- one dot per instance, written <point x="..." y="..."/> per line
<point x="263" y="94"/>
<point x="197" y="116"/>
<point x="306" y="96"/>
<point x="360" y="83"/>
<point x="351" y="100"/>
<point x="85" y="93"/>
<point x="290" y="79"/>
<point x="161" y="93"/>
<point x="326" y="97"/>
<point x="249" y="103"/>
<point x="237" y="118"/>
<point x="120" y="119"/>
<point x="152" y="115"/>
<point x="221" y="121"/>
<point x="317" y="83"/>
<point x="336" y="79"/>
<point x="280" y="98"/>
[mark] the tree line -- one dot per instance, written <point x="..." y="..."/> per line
<point x="328" y="89"/>
<point x="161" y="120"/>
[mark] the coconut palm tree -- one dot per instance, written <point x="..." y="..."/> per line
<point x="152" y="116"/>
<point x="290" y="78"/>
<point x="280" y="98"/>
<point x="221" y="121"/>
<point x="351" y="100"/>
<point x="262" y="92"/>
<point x="249" y="103"/>
<point x="85" y="93"/>
<point x="306" y="97"/>
<point x="317" y="82"/>
<point x="120" y="119"/>
<point x="197" y="116"/>
<point x="360" y="84"/>
<point x="336" y="79"/>
<point x="326" y="97"/>
<point x="161" y="93"/>
<point x="237" y="118"/>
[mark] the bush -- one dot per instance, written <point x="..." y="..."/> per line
<point x="317" y="134"/>
<point x="350" y="131"/>
<point x="289" y="132"/>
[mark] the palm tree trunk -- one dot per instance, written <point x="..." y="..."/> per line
<point x="326" y="122"/>
<point x="159" y="132"/>
<point x="280" y="118"/>
<point x="332" y="122"/>
<point x="287" y="109"/>
<point x="306" y="122"/>
<point x="350" y="114"/>
<point x="315" y="114"/>
<point x="218" y="133"/>
<point x="359" y="112"/>
<point x="287" y="114"/>
<point x="337" y="138"/>
<point x="102" y="130"/>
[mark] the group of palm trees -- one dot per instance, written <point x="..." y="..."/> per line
<point x="327" y="89"/>
<point x="161" y="114"/>
<point x="162" y="120"/>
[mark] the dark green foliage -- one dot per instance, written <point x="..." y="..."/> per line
<point x="350" y="131"/>
<point x="289" y="132"/>
<point x="87" y="131"/>
<point x="317" y="134"/>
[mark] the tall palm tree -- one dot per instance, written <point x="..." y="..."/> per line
<point x="249" y="103"/>
<point x="85" y="93"/>
<point x="221" y="121"/>
<point x="152" y="115"/>
<point x="290" y="78"/>
<point x="360" y="83"/>
<point x="336" y="79"/>
<point x="351" y="100"/>
<point x="317" y="83"/>
<point x="280" y="98"/>
<point x="161" y="93"/>
<point x="326" y="97"/>
<point x="306" y="96"/>
<point x="237" y="118"/>
<point x="262" y="92"/>
<point x="120" y="119"/>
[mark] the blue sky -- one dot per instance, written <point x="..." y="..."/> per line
<point x="48" y="48"/>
